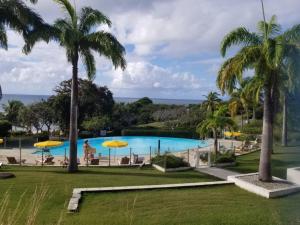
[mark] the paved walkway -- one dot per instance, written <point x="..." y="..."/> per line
<point x="217" y="172"/>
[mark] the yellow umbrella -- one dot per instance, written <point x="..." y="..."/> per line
<point x="48" y="144"/>
<point x="115" y="144"/>
<point x="228" y="134"/>
<point x="232" y="134"/>
<point x="1" y="141"/>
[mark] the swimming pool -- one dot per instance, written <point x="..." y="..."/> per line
<point x="138" y="144"/>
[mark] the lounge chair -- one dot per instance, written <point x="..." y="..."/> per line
<point x="47" y="161"/>
<point x="124" y="161"/>
<point x="94" y="161"/>
<point x="65" y="162"/>
<point x="12" y="160"/>
<point x="137" y="159"/>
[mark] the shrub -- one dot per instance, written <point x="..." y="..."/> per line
<point x="254" y="127"/>
<point x="5" y="127"/>
<point x="18" y="133"/>
<point x="226" y="158"/>
<point x="169" y="161"/>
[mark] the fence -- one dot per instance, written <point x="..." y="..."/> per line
<point x="195" y="157"/>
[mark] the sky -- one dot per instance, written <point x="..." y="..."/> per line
<point x="172" y="46"/>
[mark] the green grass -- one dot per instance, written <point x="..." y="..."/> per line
<point x="282" y="158"/>
<point x="193" y="206"/>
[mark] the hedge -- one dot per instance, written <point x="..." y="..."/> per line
<point x="159" y="133"/>
<point x="169" y="161"/>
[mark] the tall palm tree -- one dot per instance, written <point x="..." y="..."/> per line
<point x="264" y="52"/>
<point x="211" y="101"/>
<point x="215" y="122"/>
<point x="76" y="33"/>
<point x="289" y="85"/>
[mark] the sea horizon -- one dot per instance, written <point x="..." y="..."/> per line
<point x="31" y="98"/>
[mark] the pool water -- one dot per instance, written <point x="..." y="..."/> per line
<point x="138" y="144"/>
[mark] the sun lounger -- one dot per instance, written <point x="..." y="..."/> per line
<point x="47" y="161"/>
<point x="12" y="160"/>
<point x="65" y="162"/>
<point x="95" y="161"/>
<point x="137" y="159"/>
<point x="124" y="161"/>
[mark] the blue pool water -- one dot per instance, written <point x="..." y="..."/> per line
<point x="138" y="144"/>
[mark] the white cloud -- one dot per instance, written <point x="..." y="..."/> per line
<point x="145" y="79"/>
<point x="186" y="33"/>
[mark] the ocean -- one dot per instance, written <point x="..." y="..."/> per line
<point x="28" y="99"/>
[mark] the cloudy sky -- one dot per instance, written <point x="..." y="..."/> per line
<point x="172" y="46"/>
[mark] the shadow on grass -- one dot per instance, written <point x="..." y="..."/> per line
<point x="145" y="172"/>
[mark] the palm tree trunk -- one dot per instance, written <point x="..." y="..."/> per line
<point x="254" y="113"/>
<point x="215" y="142"/>
<point x="242" y="118"/>
<point x="267" y="139"/>
<point x="73" y="167"/>
<point x="284" y="121"/>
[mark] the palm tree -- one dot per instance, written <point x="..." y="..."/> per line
<point x="253" y="91"/>
<point x="76" y="33"/>
<point x="15" y="15"/>
<point x="240" y="99"/>
<point x="264" y="52"/>
<point x="211" y="101"/>
<point x="215" y="123"/>
<point x="289" y="85"/>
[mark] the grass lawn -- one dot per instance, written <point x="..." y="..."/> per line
<point x="282" y="158"/>
<point x="211" y="205"/>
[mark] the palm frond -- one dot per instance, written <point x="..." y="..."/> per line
<point x="272" y="28"/>
<point x="89" y="63"/>
<point x="3" y="37"/>
<point x="90" y="17"/>
<point x="292" y="34"/>
<point x="107" y="45"/>
<point x="67" y="7"/>
<point x="239" y="36"/>
<point x="232" y="69"/>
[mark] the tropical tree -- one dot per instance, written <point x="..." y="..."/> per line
<point x="16" y="15"/>
<point x="215" y="123"/>
<point x="77" y="34"/>
<point x="240" y="100"/>
<point x="290" y="84"/>
<point x="264" y="52"/>
<point x="211" y="101"/>
<point x="11" y="111"/>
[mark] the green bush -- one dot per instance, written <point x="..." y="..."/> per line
<point x="18" y="133"/>
<point x="228" y="157"/>
<point x="5" y="127"/>
<point x="169" y="161"/>
<point x="254" y="127"/>
<point x="159" y="133"/>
